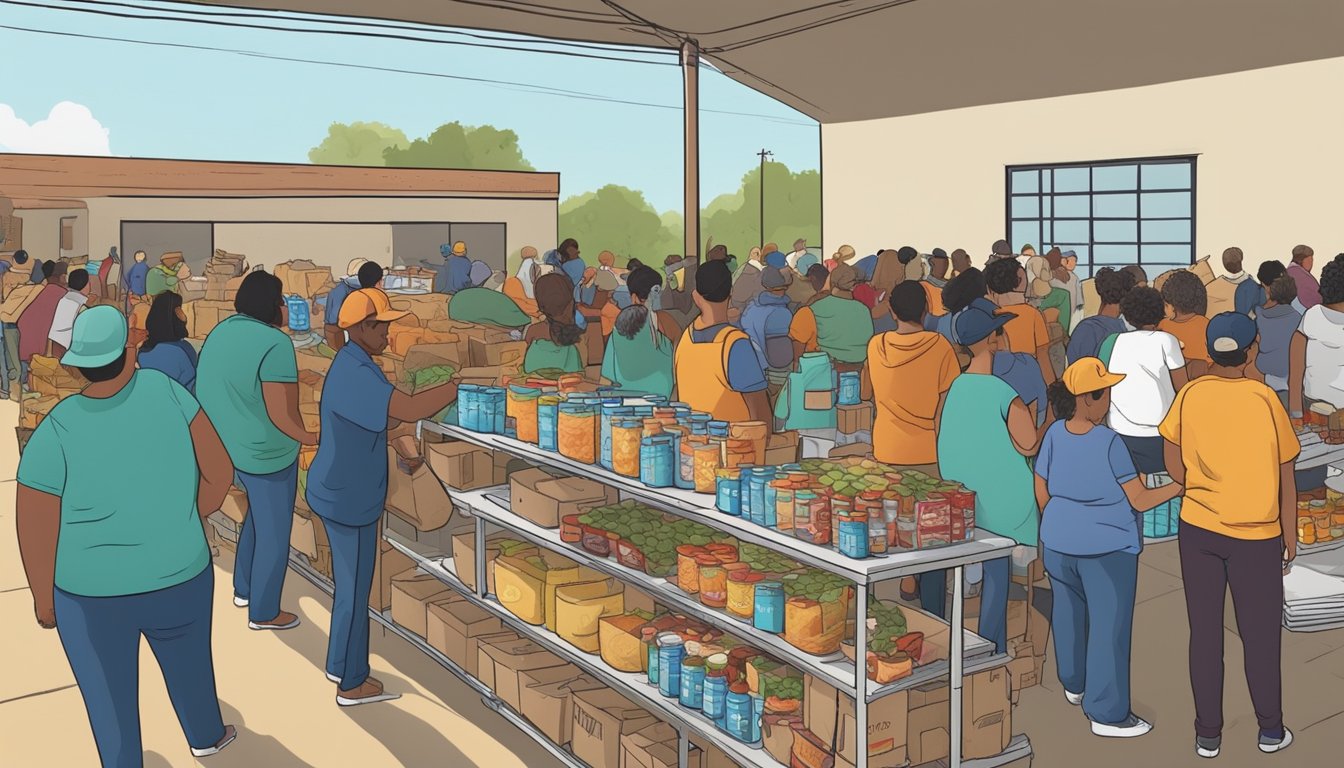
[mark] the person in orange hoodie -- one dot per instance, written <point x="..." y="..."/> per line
<point x="1006" y="281"/>
<point x="520" y="286"/>
<point x="1188" y="299"/>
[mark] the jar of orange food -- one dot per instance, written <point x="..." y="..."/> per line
<point x="737" y="453"/>
<point x="520" y="411"/>
<point x="688" y="571"/>
<point x="713" y="581"/>
<point x="625" y="438"/>
<point x="705" y="465"/>
<point x="742" y="592"/>
<point x="578" y="431"/>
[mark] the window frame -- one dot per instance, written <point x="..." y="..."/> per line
<point x="1045" y="223"/>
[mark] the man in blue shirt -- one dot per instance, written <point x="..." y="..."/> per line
<point x="347" y="483"/>
<point x="1088" y="335"/>
<point x="454" y="274"/>
<point x="766" y="320"/>
<point x="361" y="273"/>
<point x="136" y="275"/>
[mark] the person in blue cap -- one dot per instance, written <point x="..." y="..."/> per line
<point x="454" y="274"/>
<point x="985" y="436"/>
<point x="347" y="483"/>
<point x="1238" y="527"/>
<point x="121" y="554"/>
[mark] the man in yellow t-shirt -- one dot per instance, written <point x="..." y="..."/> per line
<point x="1006" y="282"/>
<point x="1238" y="521"/>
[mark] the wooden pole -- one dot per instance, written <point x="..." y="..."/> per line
<point x="690" y="75"/>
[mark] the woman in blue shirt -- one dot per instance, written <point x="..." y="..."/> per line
<point x="167" y="349"/>
<point x="1088" y="489"/>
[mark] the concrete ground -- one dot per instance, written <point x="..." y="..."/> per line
<point x="272" y="687"/>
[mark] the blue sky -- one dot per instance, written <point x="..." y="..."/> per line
<point x="160" y="101"/>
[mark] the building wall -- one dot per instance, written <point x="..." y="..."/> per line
<point x="253" y="223"/>
<point x="42" y="233"/>
<point x="1270" y="161"/>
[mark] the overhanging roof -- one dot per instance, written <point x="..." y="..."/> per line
<point x="859" y="59"/>
<point x="37" y="180"/>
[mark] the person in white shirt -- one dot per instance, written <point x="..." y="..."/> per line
<point x="71" y="304"/>
<point x="799" y="251"/>
<point x="1154" y="371"/>
<point x="1316" y="353"/>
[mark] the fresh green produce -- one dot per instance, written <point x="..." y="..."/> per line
<point x="765" y="560"/>
<point x="432" y="376"/>
<point x="888" y="622"/>
<point x="777" y="679"/>
<point x="816" y="585"/>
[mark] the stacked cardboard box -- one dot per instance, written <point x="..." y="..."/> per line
<point x="500" y="661"/>
<point x="547" y="699"/>
<point x="51" y="378"/>
<point x="601" y="717"/>
<point x="302" y="277"/>
<point x="34" y="408"/>
<point x="223" y="274"/>
<point x="456" y="627"/>
<point x="412" y="592"/>
<point x="204" y="314"/>
<point x="1029" y="605"/>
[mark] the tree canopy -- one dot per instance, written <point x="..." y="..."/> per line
<point x="454" y="145"/>
<point x="357" y="144"/>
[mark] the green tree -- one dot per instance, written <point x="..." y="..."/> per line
<point x="356" y="144"/>
<point x="620" y="220"/>
<point x="454" y="145"/>
<point x="792" y="210"/>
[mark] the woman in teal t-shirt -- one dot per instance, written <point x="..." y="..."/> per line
<point x="122" y="553"/>
<point x="984" y="438"/>
<point x="553" y="344"/>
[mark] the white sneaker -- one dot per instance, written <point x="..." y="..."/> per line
<point x="1076" y="699"/>
<point x="1131" y="727"/>
<point x="240" y="602"/>
<point x="333" y="678"/>
<point x="230" y="733"/>
<point x="1270" y="747"/>
<point x="1208" y="748"/>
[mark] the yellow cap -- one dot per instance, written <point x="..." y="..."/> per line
<point x="365" y="303"/>
<point x="1089" y="375"/>
<point x="459" y="248"/>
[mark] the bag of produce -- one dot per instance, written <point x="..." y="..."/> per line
<point x="579" y="607"/>
<point x="486" y="307"/>
<point x="817" y="611"/>
<point x="521" y="581"/>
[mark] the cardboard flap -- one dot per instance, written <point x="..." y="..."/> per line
<point x="819" y="400"/>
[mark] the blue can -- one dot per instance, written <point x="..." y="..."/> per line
<point x="744" y="491"/>
<point x="298" y="313"/>
<point x="728" y="492"/>
<point x="548" y="423"/>
<point x="653" y="663"/>
<point x="738" y="713"/>
<point x="492" y="410"/>
<point x="757" y="713"/>
<point x="716" y="698"/>
<point x="760" y="480"/>
<point x="768" y="602"/>
<point x="671" y="650"/>
<point x="718" y="429"/>
<point x="692" y="694"/>
<point x="612" y="408"/>
<point x="849" y="388"/>
<point x="853" y="538"/>
<point x="769" y="515"/>
<point x="466" y="406"/>
<point x="657" y="466"/>
<point x="700" y="424"/>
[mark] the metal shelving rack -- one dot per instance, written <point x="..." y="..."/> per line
<point x="964" y="658"/>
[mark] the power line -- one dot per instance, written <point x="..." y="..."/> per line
<point x="528" y="87"/>
<point x="298" y="30"/>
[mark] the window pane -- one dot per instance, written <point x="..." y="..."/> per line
<point x="1073" y="206"/>
<point x="1166" y="231"/>
<point x="1179" y="255"/>
<point x="1025" y="232"/>
<point x="1115" y="206"/>
<point x="1047" y="235"/>
<point x="1115" y="177"/>
<point x="1026" y="207"/>
<point x="1166" y="205"/>
<point x="1167" y="176"/>
<point x="1116" y="231"/>
<point x="1046" y="173"/>
<point x="1025" y="181"/>
<point x="1071" y="179"/>
<point x="1072" y="231"/>
<point x="1046" y="207"/>
<point x="1112" y="255"/>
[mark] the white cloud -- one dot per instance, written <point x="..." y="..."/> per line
<point x="70" y="129"/>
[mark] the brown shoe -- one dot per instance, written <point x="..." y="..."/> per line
<point x="282" y="620"/>
<point x="369" y="692"/>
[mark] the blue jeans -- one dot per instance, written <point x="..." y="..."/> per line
<point x="933" y="592"/>
<point x="101" y="637"/>
<point x="993" y="599"/>
<point x="263" y="544"/>
<point x="14" y="369"/>
<point x="1093" y="622"/>
<point x="354" y="553"/>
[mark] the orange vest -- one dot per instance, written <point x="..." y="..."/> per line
<point x="702" y="376"/>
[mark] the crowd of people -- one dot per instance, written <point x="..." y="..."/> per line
<point x="1066" y="427"/>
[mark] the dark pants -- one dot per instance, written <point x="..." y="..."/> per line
<point x="101" y="637"/>
<point x="993" y="599"/>
<point x="1147" y="453"/>
<point x="1093" y="624"/>
<point x="1210" y="563"/>
<point x="354" y="553"/>
<point x="263" y="544"/>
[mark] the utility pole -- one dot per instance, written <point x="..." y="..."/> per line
<point x="690" y="108"/>
<point x="764" y="153"/>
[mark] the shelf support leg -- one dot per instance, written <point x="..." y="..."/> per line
<point x="683" y="747"/>
<point x="480" y="557"/>
<point x="861" y="676"/>
<point x="958" y="664"/>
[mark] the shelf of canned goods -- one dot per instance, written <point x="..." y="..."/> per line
<point x="967" y="654"/>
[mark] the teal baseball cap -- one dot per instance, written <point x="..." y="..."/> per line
<point x="98" y="338"/>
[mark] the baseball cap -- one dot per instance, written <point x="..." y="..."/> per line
<point x="773" y="278"/>
<point x="975" y="323"/>
<point x="1089" y="374"/>
<point x="776" y="259"/>
<point x="353" y="267"/>
<point x="97" y="339"/>
<point x="1230" y="332"/>
<point x="366" y="303"/>
<point x="1069" y="255"/>
<point x="1002" y="248"/>
<point x="844" y="277"/>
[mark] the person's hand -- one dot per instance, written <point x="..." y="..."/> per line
<point x="45" y="612"/>
<point x="1289" y="553"/>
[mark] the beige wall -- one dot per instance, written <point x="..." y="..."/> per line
<point x="528" y="222"/>
<point x="42" y="233"/>
<point x="327" y="245"/>
<point x="1269" y="173"/>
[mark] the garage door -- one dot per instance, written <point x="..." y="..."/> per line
<point x="414" y="243"/>
<point x="195" y="239"/>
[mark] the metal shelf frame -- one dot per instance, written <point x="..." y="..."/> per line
<point x="700" y="507"/>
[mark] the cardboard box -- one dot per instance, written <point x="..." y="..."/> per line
<point x="782" y="448"/>
<point x="887" y="731"/>
<point x="310" y="387"/>
<point x="504" y="659"/>
<point x="493" y="349"/>
<point x="464" y="557"/>
<point x="235" y="505"/>
<point x="986" y="718"/>
<point x="854" y="418"/>
<point x="656" y="747"/>
<point x="415" y="493"/>
<point x="601" y="717"/>
<point x="411" y="592"/>
<point x="705" y="755"/>
<point x="547" y="699"/>
<point x="426" y="307"/>
<point x="209" y="314"/>
<point x="777" y="736"/>
<point x="391" y="562"/>
<point x="821" y="709"/>
<point x="438" y="541"/>
<point x="461" y="465"/>
<point x="312" y="417"/>
<point x="544" y="499"/>
<point x="50" y="378"/>
<point x="422" y="356"/>
<point x="454" y="627"/>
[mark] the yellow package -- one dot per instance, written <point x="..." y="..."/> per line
<point x="620" y="642"/>
<point x="558" y="577"/>
<point x="580" y="607"/>
<point x="520" y="582"/>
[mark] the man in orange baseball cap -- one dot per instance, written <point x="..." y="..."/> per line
<point x="347" y="484"/>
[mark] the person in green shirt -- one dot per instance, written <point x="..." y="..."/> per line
<point x="121" y="553"/>
<point x="165" y="277"/>
<point x="835" y="323"/>
<point x="638" y="357"/>
<point x="985" y="435"/>
<point x="248" y="383"/>
<point x="553" y="343"/>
